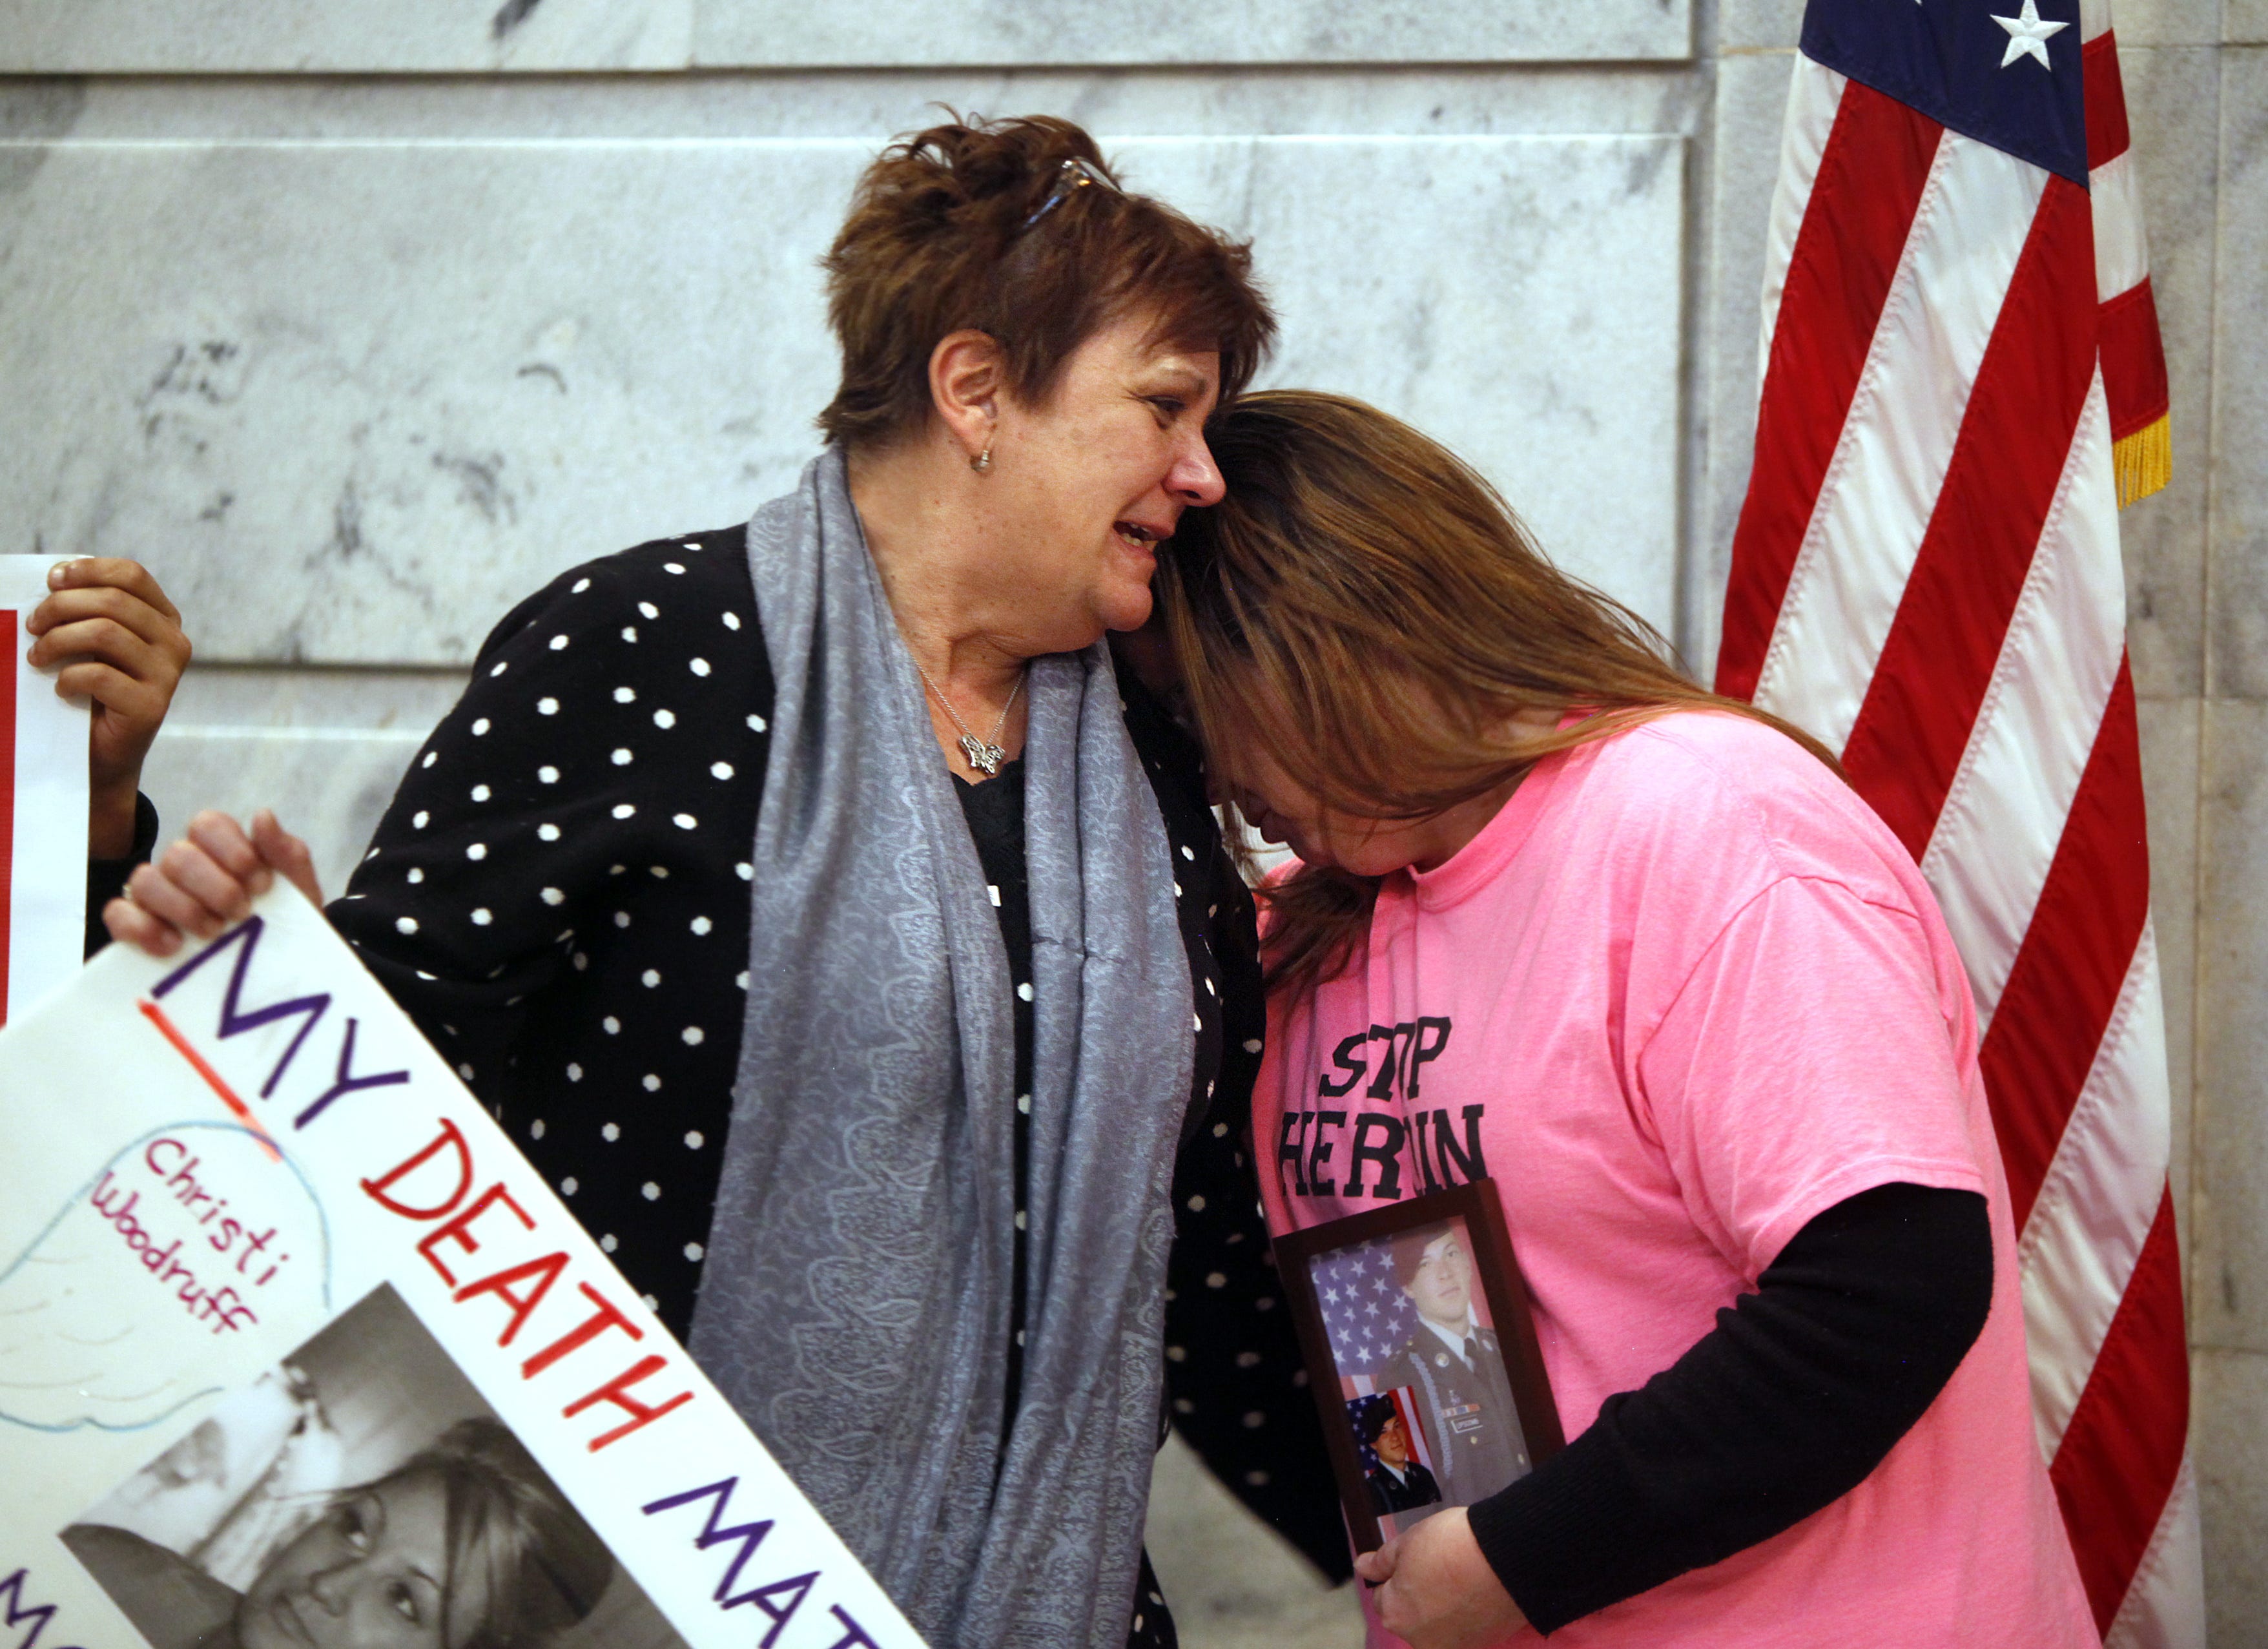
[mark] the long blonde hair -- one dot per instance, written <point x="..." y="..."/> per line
<point x="1365" y="609"/>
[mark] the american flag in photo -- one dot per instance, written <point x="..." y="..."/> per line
<point x="1366" y="1314"/>
<point x="1420" y="1450"/>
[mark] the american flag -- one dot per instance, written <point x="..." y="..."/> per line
<point x="1401" y="1401"/>
<point x="1962" y="383"/>
<point x="1366" y="1314"/>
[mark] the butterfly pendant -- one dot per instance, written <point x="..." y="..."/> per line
<point x="985" y="758"/>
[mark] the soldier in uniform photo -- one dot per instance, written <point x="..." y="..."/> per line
<point x="1400" y="1481"/>
<point x="1454" y="1368"/>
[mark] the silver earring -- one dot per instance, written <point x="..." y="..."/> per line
<point x="982" y="461"/>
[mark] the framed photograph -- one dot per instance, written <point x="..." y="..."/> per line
<point x="1422" y="1356"/>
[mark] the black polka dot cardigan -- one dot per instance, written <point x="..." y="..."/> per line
<point x="558" y="895"/>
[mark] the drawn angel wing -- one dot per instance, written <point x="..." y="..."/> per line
<point x="140" y="1295"/>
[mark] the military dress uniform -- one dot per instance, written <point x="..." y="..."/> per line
<point x="1465" y="1402"/>
<point x="1414" y="1488"/>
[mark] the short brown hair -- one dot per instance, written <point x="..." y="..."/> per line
<point x="1364" y="606"/>
<point x="941" y="237"/>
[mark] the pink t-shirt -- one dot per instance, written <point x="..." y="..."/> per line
<point x="1684" y="992"/>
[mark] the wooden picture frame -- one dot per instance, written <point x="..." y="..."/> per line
<point x="1456" y="1449"/>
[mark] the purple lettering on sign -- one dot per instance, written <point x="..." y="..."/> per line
<point x="345" y="1082"/>
<point x="39" y="1615"/>
<point x="777" y="1600"/>
<point x="234" y="1023"/>
<point x="854" y="1635"/>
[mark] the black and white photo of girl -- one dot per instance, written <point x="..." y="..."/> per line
<point x="360" y="1496"/>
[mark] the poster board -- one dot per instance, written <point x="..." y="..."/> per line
<point x="265" y="1260"/>
<point x="43" y="802"/>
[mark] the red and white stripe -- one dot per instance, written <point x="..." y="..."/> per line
<point x="1926" y="576"/>
<point x="2133" y="358"/>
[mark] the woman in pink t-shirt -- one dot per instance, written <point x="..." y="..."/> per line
<point x="1692" y="1009"/>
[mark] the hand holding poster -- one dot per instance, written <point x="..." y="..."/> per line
<point x="292" y="1340"/>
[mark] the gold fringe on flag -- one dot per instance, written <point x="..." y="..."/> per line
<point x="2143" y="461"/>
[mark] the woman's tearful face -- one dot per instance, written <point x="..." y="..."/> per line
<point x="1284" y="812"/>
<point x="1087" y="482"/>
<point x="372" y="1573"/>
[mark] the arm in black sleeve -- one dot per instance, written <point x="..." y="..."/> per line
<point x="105" y="879"/>
<point x="539" y="788"/>
<point x="1787" y="1405"/>
<point x="1233" y="1374"/>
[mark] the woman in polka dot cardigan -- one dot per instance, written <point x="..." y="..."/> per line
<point x="560" y="892"/>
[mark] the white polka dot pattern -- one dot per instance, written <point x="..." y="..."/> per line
<point x="556" y="752"/>
<point x="633" y="1027"/>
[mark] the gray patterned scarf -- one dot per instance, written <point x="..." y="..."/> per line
<point x="854" y="1302"/>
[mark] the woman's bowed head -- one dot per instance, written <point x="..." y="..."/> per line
<point x="467" y="1545"/>
<point x="1419" y="654"/>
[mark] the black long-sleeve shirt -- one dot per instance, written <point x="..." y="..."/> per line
<point x="1787" y="1405"/>
<point x="105" y="879"/>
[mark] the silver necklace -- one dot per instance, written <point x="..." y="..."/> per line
<point x="985" y="755"/>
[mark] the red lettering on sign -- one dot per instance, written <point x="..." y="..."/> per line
<point x="605" y="1317"/>
<point x="617" y="1391"/>
<point x="448" y="1139"/>
<point x="460" y="1230"/>
<point x="543" y="1273"/>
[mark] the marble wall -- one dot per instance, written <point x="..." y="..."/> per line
<point x="357" y="322"/>
<point x="349" y="398"/>
<point x="2229" y="1268"/>
<point x="279" y="36"/>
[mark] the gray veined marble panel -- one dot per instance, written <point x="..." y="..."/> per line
<point x="1758" y="25"/>
<point x="1231" y="1581"/>
<point x="2167" y="22"/>
<point x="353" y="400"/>
<point x="1517" y="298"/>
<point x="290" y="36"/>
<point x="328" y="785"/>
<point x="324" y="748"/>
<point x="2228" y="1258"/>
<point x="1406" y="100"/>
<point x="2173" y="99"/>
<point x="161" y="36"/>
<point x="2229" y="1448"/>
<point x="2170" y="735"/>
<point x="2237" y="623"/>
<point x="934" y="34"/>
<point x="1751" y="107"/>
